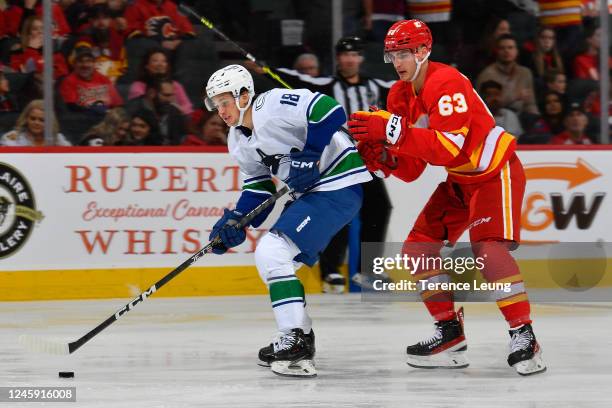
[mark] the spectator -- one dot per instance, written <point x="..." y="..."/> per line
<point x="112" y="131"/>
<point x="106" y="43"/>
<point x="542" y="55"/>
<point x="517" y="81"/>
<point x="575" y="122"/>
<point x="27" y="57"/>
<point x="159" y="99"/>
<point x="143" y="129"/>
<point x="19" y="10"/>
<point x="210" y="130"/>
<point x="117" y="11"/>
<point x="7" y="100"/>
<point x="2" y="25"/>
<point x="158" y="20"/>
<point x="85" y="89"/>
<point x="551" y="121"/>
<point x="307" y="64"/>
<point x="156" y="64"/>
<point x="30" y="128"/>
<point x="78" y="14"/>
<point x="586" y="64"/>
<point x="494" y="28"/>
<point x="491" y="93"/>
<point x="565" y="17"/>
<point x="556" y="81"/>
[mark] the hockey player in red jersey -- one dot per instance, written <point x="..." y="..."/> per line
<point x="435" y="117"/>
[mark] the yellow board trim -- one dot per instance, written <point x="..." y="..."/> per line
<point x="244" y="280"/>
<point x="129" y="282"/>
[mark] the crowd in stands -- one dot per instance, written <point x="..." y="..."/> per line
<point x="132" y="72"/>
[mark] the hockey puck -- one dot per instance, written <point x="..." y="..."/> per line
<point x="66" y="374"/>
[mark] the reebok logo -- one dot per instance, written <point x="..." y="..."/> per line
<point x="303" y="224"/>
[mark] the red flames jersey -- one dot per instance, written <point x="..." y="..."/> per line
<point x="161" y="21"/>
<point x="98" y="91"/>
<point x="447" y="124"/>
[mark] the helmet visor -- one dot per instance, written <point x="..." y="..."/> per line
<point x="219" y="101"/>
<point x="401" y="55"/>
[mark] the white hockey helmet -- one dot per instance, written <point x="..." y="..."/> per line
<point x="233" y="79"/>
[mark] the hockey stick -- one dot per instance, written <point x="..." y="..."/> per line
<point x="266" y="69"/>
<point x="39" y="344"/>
<point x="207" y="23"/>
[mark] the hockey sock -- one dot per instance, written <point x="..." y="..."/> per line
<point x="439" y="302"/>
<point x="500" y="267"/>
<point x="274" y="259"/>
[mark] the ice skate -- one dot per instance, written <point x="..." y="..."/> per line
<point x="525" y="352"/>
<point x="445" y="349"/>
<point x="266" y="354"/>
<point x="290" y="354"/>
<point x="333" y="283"/>
<point x="367" y="281"/>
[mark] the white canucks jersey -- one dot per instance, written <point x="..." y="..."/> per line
<point x="282" y="119"/>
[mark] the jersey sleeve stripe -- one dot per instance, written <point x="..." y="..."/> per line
<point x="448" y="144"/>
<point x="312" y="102"/>
<point x="266" y="187"/>
<point x="350" y="162"/>
<point x="339" y="157"/>
<point x="252" y="179"/>
<point x="321" y="107"/>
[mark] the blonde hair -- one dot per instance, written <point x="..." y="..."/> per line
<point x="107" y="128"/>
<point x="26" y="29"/>
<point x="22" y="120"/>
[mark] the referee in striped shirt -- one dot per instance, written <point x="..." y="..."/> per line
<point x="354" y="92"/>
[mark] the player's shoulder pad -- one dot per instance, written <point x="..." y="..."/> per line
<point x="444" y="80"/>
<point x="444" y="74"/>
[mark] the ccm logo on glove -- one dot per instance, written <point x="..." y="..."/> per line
<point x="394" y="129"/>
<point x="302" y="165"/>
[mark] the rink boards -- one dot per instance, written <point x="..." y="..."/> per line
<point x="102" y="222"/>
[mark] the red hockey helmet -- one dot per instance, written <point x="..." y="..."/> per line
<point x="408" y="34"/>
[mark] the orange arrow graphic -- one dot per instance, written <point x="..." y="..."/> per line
<point x="574" y="174"/>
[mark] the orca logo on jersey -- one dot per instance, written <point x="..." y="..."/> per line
<point x="271" y="161"/>
<point x="394" y="129"/>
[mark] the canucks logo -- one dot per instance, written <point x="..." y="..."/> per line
<point x="273" y="161"/>
<point x="18" y="212"/>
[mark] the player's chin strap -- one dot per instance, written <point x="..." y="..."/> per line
<point x="243" y="110"/>
<point x="418" y="65"/>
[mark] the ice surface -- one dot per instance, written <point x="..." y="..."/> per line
<point x="201" y="352"/>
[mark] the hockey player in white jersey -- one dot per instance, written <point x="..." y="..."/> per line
<point x="291" y="135"/>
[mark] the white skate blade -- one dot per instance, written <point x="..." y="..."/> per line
<point x="263" y="364"/>
<point x="302" y="368"/>
<point x="445" y="359"/>
<point x="532" y="366"/>
<point x="335" y="289"/>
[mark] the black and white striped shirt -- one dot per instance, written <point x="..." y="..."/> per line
<point x="352" y="97"/>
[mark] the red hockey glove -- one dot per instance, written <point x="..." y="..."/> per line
<point x="378" y="126"/>
<point x="377" y="158"/>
